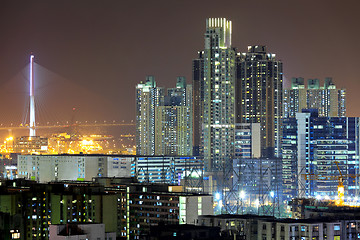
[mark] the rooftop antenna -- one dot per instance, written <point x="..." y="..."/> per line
<point x="32" y="101"/>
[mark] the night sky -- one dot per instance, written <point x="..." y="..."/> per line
<point x="91" y="54"/>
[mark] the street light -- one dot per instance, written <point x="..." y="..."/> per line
<point x="219" y="201"/>
<point x="242" y="196"/>
<point x="217" y="196"/>
<point x="257" y="204"/>
<point x="10" y="141"/>
<point x="272" y="195"/>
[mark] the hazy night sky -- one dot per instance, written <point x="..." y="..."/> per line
<point x="93" y="53"/>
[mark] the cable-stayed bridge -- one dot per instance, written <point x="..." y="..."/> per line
<point x="58" y="104"/>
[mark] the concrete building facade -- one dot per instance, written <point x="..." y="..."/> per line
<point x="46" y="168"/>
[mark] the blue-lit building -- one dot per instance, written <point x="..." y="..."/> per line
<point x="313" y="145"/>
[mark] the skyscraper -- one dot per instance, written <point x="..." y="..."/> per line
<point x="218" y="122"/>
<point x="329" y="100"/>
<point x="198" y="102"/>
<point x="259" y="95"/>
<point x="147" y="99"/>
<point x="163" y="122"/>
<point x="173" y="121"/>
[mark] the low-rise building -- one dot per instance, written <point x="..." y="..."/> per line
<point x="150" y="204"/>
<point x="40" y="205"/>
<point x="265" y="227"/>
<point x="28" y="145"/>
<point x="123" y="205"/>
<point x="84" y="167"/>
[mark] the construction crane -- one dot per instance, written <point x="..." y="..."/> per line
<point x="340" y="178"/>
<point x="340" y="201"/>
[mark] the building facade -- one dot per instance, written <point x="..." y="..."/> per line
<point x="198" y="102"/>
<point x="314" y="145"/>
<point x="164" y="122"/>
<point x="147" y="99"/>
<point x="329" y="100"/>
<point x="187" y="171"/>
<point x="259" y="95"/>
<point x="28" y="145"/>
<point x="261" y="227"/>
<point x="247" y="140"/>
<point x="152" y="204"/>
<point x="123" y="206"/>
<point x="40" y="205"/>
<point x="173" y="121"/>
<point x="218" y="123"/>
<point x="80" y="167"/>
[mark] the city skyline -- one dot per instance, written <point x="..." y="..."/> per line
<point x="107" y="48"/>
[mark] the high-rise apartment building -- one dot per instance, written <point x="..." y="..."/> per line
<point x="164" y="122"/>
<point x="218" y="120"/>
<point x="230" y="91"/>
<point x="259" y="95"/>
<point x="329" y="100"/>
<point x="147" y="99"/>
<point x="173" y="121"/>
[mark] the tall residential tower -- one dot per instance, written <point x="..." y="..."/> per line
<point x="259" y="95"/>
<point x="173" y="121"/>
<point x="147" y="99"/>
<point x="164" y="122"/>
<point x="218" y="122"/>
